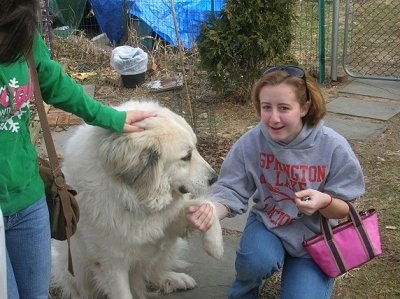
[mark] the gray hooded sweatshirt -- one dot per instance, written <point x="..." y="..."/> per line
<point x="270" y="173"/>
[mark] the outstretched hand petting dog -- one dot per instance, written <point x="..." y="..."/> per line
<point x="132" y="117"/>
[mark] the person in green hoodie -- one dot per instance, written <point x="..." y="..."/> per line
<point x="22" y="199"/>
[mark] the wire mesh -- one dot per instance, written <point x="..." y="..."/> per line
<point x="372" y="39"/>
<point x="305" y="46"/>
<point x="88" y="50"/>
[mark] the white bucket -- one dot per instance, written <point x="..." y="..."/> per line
<point x="127" y="60"/>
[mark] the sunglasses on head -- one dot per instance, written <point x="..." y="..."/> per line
<point x="292" y="70"/>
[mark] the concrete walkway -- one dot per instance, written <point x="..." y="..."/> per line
<point x="360" y="112"/>
<point x="363" y="107"/>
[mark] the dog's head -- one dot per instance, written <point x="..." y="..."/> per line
<point x="160" y="163"/>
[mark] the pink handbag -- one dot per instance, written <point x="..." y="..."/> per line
<point x="348" y="245"/>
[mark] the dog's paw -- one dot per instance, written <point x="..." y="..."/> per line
<point x="213" y="245"/>
<point x="172" y="281"/>
<point x="213" y="242"/>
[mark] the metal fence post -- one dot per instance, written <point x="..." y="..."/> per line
<point x="335" y="32"/>
<point x="321" y="41"/>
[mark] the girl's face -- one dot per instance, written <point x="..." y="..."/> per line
<point x="281" y="112"/>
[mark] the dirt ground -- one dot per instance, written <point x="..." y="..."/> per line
<point x="379" y="158"/>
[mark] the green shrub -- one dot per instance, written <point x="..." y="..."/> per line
<point x="243" y="39"/>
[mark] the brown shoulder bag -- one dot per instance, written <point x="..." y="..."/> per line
<point x="63" y="207"/>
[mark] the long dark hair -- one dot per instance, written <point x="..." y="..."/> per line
<point x="18" y="26"/>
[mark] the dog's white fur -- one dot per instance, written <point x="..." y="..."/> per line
<point x="132" y="192"/>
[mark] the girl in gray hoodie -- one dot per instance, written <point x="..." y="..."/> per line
<point x="295" y="169"/>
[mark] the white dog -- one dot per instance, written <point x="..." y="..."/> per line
<point x="132" y="191"/>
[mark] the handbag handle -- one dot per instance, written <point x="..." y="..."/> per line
<point x="327" y="232"/>
<point x="59" y="179"/>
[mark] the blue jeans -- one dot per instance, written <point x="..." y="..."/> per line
<point x="261" y="254"/>
<point x="28" y="245"/>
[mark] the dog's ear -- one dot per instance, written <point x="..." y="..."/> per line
<point x="145" y="166"/>
<point x="136" y="161"/>
<point x="128" y="158"/>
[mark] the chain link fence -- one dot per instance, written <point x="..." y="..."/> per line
<point x="372" y="39"/>
<point x="368" y="38"/>
<point x="305" y="45"/>
<point x="80" y="45"/>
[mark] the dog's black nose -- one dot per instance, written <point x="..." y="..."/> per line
<point x="212" y="180"/>
<point x="183" y="190"/>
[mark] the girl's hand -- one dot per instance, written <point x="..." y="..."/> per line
<point x="309" y="201"/>
<point x="200" y="217"/>
<point x="132" y="117"/>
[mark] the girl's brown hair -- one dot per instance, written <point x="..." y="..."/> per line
<point x="18" y="25"/>
<point x="306" y="90"/>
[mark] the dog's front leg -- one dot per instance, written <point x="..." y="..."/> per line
<point x="115" y="283"/>
<point x="213" y="242"/>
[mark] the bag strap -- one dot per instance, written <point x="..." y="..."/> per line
<point x="357" y="222"/>
<point x="59" y="179"/>
<point x="327" y="232"/>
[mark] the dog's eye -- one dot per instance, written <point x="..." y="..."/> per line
<point x="187" y="157"/>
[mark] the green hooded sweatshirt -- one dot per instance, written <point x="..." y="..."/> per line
<point x="20" y="182"/>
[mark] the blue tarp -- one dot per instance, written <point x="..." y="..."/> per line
<point x="110" y="17"/>
<point x="157" y="14"/>
<point x="189" y="15"/>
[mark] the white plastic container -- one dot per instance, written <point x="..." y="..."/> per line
<point x="131" y="64"/>
<point x="3" y="272"/>
<point x="127" y="60"/>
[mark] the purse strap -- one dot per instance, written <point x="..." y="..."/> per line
<point x="356" y="220"/>
<point x="58" y="175"/>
